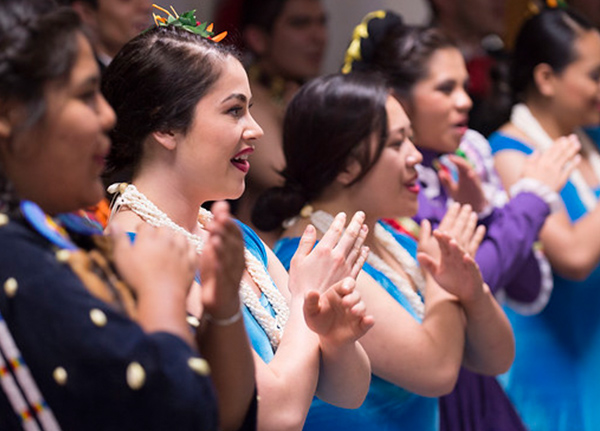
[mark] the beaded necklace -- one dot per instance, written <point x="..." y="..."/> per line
<point x="130" y="197"/>
<point x="523" y="119"/>
<point x="322" y="220"/>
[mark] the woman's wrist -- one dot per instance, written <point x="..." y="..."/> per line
<point x="223" y="321"/>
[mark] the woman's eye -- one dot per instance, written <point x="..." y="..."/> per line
<point x="236" y="111"/>
<point x="90" y="98"/>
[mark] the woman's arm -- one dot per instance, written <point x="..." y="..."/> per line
<point x="565" y="243"/>
<point x="287" y="384"/>
<point x="222" y="336"/>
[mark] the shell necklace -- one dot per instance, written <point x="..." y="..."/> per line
<point x="131" y="198"/>
<point x="322" y="220"/>
<point x="524" y="120"/>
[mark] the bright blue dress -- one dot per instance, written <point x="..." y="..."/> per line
<point x="555" y="379"/>
<point x="258" y="337"/>
<point x="387" y="406"/>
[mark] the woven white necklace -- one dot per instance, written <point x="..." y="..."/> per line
<point x="130" y="197"/>
<point x="322" y="220"/>
<point x="522" y="118"/>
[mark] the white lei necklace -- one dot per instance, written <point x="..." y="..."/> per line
<point x="130" y="197"/>
<point x="522" y="118"/>
<point x="322" y="220"/>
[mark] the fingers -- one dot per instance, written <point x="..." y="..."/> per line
<point x="354" y="235"/>
<point x="427" y="262"/>
<point x="307" y="241"/>
<point x="121" y="241"/>
<point x="425" y="231"/>
<point x="311" y="303"/>
<point x="333" y="234"/>
<point x="449" y="217"/>
<point x="448" y="182"/>
<point x="476" y="239"/>
<point x="362" y="258"/>
<point x="461" y="220"/>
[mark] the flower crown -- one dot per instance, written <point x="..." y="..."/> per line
<point x="187" y="21"/>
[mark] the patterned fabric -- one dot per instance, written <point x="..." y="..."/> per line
<point x="96" y="368"/>
<point x="554" y="379"/>
<point x="387" y="406"/>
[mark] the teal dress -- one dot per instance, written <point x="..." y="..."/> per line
<point x="387" y="406"/>
<point x="555" y="379"/>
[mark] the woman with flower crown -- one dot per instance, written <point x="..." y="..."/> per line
<point x="93" y="330"/>
<point x="434" y="317"/>
<point x="185" y="131"/>
<point x="555" y="79"/>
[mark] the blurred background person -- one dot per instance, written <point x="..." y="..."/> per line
<point x="556" y="83"/>
<point x="112" y="23"/>
<point x="285" y="43"/>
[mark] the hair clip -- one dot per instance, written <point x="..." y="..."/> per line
<point x="353" y="53"/>
<point x="187" y="21"/>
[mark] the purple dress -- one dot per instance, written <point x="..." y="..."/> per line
<point x="517" y="273"/>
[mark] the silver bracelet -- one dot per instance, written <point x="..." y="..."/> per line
<point x="223" y="322"/>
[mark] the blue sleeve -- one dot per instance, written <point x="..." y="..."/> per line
<point x="500" y="142"/>
<point x="284" y="249"/>
<point x="49" y="317"/>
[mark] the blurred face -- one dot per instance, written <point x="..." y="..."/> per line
<point x="393" y="177"/>
<point x="118" y="21"/>
<point x="439" y="104"/>
<point x="577" y="88"/>
<point x="57" y="164"/>
<point x="297" y="42"/>
<point x="213" y="155"/>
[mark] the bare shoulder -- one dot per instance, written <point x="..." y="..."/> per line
<point x="509" y="129"/>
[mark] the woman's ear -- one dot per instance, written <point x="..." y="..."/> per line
<point x="350" y="173"/>
<point x="167" y="139"/>
<point x="544" y="76"/>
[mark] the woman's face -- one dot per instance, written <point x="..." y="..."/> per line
<point x="297" y="42"/>
<point x="58" y="162"/>
<point x="576" y="90"/>
<point x="116" y="22"/>
<point x="439" y="104"/>
<point x="390" y="188"/>
<point x="213" y="155"/>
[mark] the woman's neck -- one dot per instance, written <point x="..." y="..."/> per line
<point x="343" y="203"/>
<point x="554" y="125"/>
<point x="165" y="190"/>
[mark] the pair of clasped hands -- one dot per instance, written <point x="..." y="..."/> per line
<point x="161" y="265"/>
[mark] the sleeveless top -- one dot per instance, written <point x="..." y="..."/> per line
<point x="387" y="406"/>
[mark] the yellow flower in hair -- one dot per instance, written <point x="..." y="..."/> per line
<point x="361" y="31"/>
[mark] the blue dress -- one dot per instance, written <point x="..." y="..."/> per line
<point x="387" y="406"/>
<point x="554" y="381"/>
<point x="258" y="337"/>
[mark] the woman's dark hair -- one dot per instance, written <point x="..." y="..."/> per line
<point x="399" y="52"/>
<point x="548" y="37"/>
<point x="38" y="45"/>
<point x="329" y="122"/>
<point x="154" y="84"/>
<point x="261" y="13"/>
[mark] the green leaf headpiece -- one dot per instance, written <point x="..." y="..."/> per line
<point x="187" y="21"/>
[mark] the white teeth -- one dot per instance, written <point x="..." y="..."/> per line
<point x="243" y="157"/>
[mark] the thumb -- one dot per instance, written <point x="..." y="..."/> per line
<point x="311" y="303"/>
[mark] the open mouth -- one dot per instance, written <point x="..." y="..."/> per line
<point x="413" y="186"/>
<point x="240" y="160"/>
